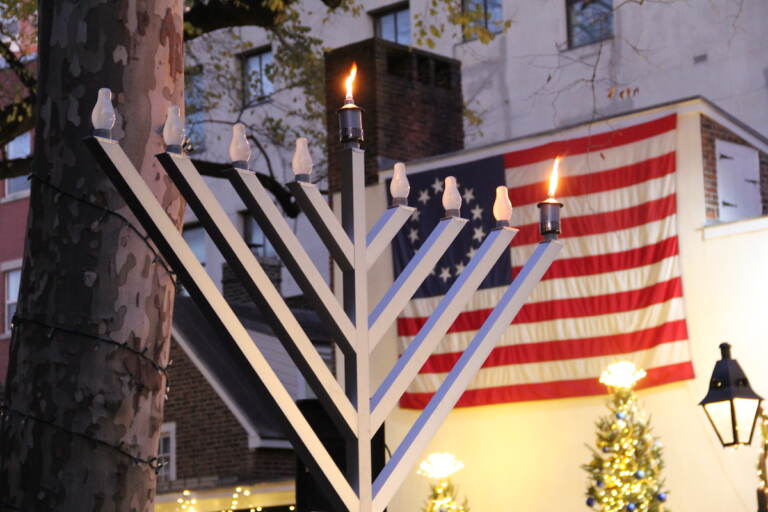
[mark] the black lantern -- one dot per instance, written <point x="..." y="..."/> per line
<point x="731" y="405"/>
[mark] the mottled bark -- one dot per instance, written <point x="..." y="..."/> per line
<point x="82" y="410"/>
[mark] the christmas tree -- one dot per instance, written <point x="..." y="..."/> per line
<point x="625" y="471"/>
<point x="438" y="467"/>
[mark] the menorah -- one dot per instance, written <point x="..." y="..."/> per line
<point x="357" y="328"/>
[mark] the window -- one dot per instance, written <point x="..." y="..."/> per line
<point x="257" y="85"/>
<point x="738" y="181"/>
<point x="394" y="24"/>
<point x="195" y="108"/>
<point x="256" y="239"/>
<point x="166" y="453"/>
<point x="486" y="15"/>
<point x="195" y="237"/>
<point x="20" y="147"/>
<point x="589" y="21"/>
<point x="12" y="282"/>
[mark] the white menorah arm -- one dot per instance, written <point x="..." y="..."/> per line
<point x="261" y="206"/>
<point x="400" y="465"/>
<point x="412" y="276"/>
<point x="385" y="230"/>
<point x="177" y="252"/>
<point x="325" y="223"/>
<point x="451" y="305"/>
<point x="260" y="287"/>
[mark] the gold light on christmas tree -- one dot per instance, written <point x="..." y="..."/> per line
<point x="625" y="471"/>
<point x="623" y="374"/>
<point x="439" y="467"/>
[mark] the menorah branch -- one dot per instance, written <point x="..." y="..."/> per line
<point x="412" y="276"/>
<point x="223" y="319"/>
<point x="260" y="288"/>
<point x="408" y="365"/>
<point x="325" y="222"/>
<point x="470" y="362"/>
<point x="382" y="233"/>
<point x="293" y="255"/>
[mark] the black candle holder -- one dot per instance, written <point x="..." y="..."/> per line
<point x="549" y="218"/>
<point x="350" y="123"/>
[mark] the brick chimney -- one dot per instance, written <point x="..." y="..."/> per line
<point x="412" y="101"/>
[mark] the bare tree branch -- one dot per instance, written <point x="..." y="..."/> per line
<point x="15" y="167"/>
<point x="18" y="67"/>
<point x="17" y="118"/>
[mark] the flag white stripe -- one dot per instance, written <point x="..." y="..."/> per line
<point x="601" y="202"/>
<point x="606" y="243"/>
<point x="596" y="161"/>
<point x="567" y="369"/>
<point x="571" y="328"/>
<point x="565" y="288"/>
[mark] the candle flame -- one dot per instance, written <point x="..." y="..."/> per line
<point x="553" y="178"/>
<point x="350" y="80"/>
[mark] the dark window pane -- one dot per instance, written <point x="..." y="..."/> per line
<point x="267" y="88"/>
<point x="17" y="184"/>
<point x="404" y="27"/>
<point x="387" y="27"/>
<point x="493" y="15"/>
<point x="589" y="21"/>
<point x="257" y="84"/>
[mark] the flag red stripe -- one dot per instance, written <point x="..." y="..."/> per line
<point x="611" y="262"/>
<point x="561" y="308"/>
<point x="569" y="349"/>
<point x="604" y="222"/>
<point x="548" y="390"/>
<point x="612" y="179"/>
<point x="591" y="143"/>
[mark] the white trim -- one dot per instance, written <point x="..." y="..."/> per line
<point x="737" y="227"/>
<point x="15" y="196"/>
<point x="275" y="443"/>
<point x="694" y="105"/>
<point x="170" y="429"/>
<point x="5" y="269"/>
<point x="254" y="440"/>
<point x="10" y="264"/>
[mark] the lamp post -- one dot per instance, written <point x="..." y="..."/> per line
<point x="357" y="410"/>
<point x="733" y="408"/>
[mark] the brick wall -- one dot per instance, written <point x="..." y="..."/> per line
<point x="710" y="132"/>
<point x="412" y="101"/>
<point x="211" y="445"/>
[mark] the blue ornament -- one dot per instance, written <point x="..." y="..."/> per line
<point x="600" y="483"/>
<point x="662" y="496"/>
<point x="591" y="501"/>
<point x="621" y="415"/>
<point x="631" y="506"/>
<point x="606" y="449"/>
<point x="640" y="474"/>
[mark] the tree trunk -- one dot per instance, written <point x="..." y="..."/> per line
<point x="85" y="389"/>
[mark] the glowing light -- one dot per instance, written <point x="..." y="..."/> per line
<point x="186" y="492"/>
<point x="349" y="82"/>
<point x="553" y="178"/>
<point x="440" y="465"/>
<point x="623" y="374"/>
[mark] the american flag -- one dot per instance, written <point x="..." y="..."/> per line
<point x="615" y="291"/>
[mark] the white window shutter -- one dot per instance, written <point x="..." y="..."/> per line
<point x="738" y="181"/>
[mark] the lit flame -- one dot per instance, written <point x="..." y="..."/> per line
<point x="623" y="374"/>
<point x="350" y="80"/>
<point x="553" y="178"/>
